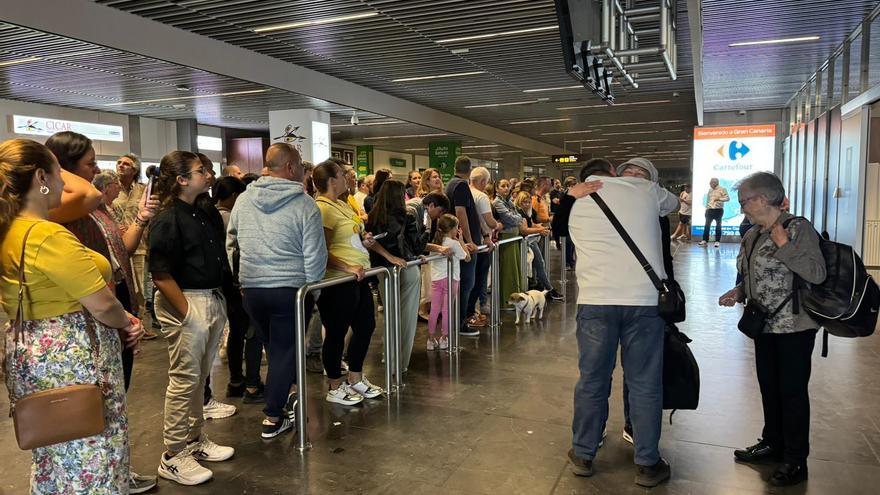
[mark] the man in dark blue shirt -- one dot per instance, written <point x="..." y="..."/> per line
<point x="459" y="192"/>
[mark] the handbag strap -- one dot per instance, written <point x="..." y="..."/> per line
<point x="18" y="324"/>
<point x="658" y="284"/>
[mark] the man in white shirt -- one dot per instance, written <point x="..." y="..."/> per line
<point x="714" y="211"/>
<point x="363" y="189"/>
<point x="479" y="180"/>
<point x="617" y="305"/>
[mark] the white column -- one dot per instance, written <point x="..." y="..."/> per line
<point x="307" y="129"/>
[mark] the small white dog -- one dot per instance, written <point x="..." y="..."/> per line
<point x="529" y="304"/>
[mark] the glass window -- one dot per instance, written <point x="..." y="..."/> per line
<point x="838" y="80"/>
<point x="820" y="91"/>
<point x="855" y="56"/>
<point x="874" y="54"/>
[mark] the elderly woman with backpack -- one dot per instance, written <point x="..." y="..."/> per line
<point x="774" y="251"/>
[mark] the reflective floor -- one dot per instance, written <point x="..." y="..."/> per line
<point x="497" y="421"/>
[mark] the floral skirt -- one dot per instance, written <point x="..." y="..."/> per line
<point x="56" y="352"/>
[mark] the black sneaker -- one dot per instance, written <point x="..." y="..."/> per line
<point x="789" y="474"/>
<point x="468" y="331"/>
<point x="555" y="296"/>
<point x="290" y="408"/>
<point x="758" y="453"/>
<point x="628" y="434"/>
<point x="651" y="476"/>
<point x="314" y="363"/>
<point x="235" y="390"/>
<point x="579" y="465"/>
<point x="272" y="430"/>
<point x="255" y="397"/>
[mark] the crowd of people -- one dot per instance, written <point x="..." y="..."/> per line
<point x="216" y="263"/>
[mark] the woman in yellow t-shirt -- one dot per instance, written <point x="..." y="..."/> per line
<point x="64" y="283"/>
<point x="347" y="254"/>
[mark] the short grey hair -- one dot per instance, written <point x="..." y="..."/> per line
<point x="137" y="164"/>
<point x="763" y="184"/>
<point x="106" y="177"/>
<point x="480" y="174"/>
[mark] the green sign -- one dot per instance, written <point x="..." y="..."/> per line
<point x="364" y="160"/>
<point x="442" y="155"/>
<point x="397" y="162"/>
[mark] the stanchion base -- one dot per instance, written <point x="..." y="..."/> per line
<point x="308" y="446"/>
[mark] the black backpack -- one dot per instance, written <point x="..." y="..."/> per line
<point x="681" y="374"/>
<point x="846" y="303"/>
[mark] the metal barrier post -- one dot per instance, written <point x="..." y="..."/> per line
<point x="495" y="309"/>
<point x="563" y="276"/>
<point x="524" y="264"/>
<point x="302" y="440"/>
<point x="547" y="254"/>
<point x="452" y="314"/>
<point x="392" y="315"/>
<point x="390" y="355"/>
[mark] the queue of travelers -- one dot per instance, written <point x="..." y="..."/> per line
<point x="232" y="254"/>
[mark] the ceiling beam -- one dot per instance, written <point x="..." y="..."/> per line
<point x="695" y="20"/>
<point x="101" y="25"/>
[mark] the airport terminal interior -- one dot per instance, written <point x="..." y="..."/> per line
<point x="708" y="92"/>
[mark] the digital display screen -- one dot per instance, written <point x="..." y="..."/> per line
<point x="728" y="154"/>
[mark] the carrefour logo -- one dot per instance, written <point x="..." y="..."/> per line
<point x="735" y="150"/>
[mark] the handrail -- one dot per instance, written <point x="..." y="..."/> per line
<point x="302" y="442"/>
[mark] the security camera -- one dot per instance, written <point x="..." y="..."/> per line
<point x="354" y="119"/>
<point x="742" y="112"/>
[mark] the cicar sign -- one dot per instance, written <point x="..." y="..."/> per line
<point x="42" y="126"/>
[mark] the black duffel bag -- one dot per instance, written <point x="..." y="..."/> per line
<point x="681" y="374"/>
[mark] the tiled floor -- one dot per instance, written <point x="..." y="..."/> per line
<point x="503" y="425"/>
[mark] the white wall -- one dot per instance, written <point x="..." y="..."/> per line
<point x="158" y="137"/>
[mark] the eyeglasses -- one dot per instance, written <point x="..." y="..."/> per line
<point x="742" y="202"/>
<point x="201" y="170"/>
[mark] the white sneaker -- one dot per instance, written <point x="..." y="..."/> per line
<point x="431" y="344"/>
<point x="444" y="343"/>
<point x="138" y="483"/>
<point x="703" y="243"/>
<point x="217" y="410"/>
<point x="367" y="389"/>
<point x="717" y="244"/>
<point x="206" y="450"/>
<point x="184" y="469"/>
<point x="628" y="434"/>
<point x="344" y="395"/>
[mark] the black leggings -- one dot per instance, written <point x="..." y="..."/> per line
<point x="344" y="306"/>
<point x="127" y="354"/>
<point x="713" y="214"/>
<point x="239" y="345"/>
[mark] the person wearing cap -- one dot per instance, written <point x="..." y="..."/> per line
<point x="617" y="306"/>
<point x="715" y="200"/>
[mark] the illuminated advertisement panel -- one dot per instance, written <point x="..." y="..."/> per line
<point x="728" y="154"/>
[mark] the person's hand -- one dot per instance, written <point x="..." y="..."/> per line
<point x="148" y="207"/>
<point x="555" y="201"/>
<point x="394" y="260"/>
<point x="132" y="333"/>
<point x="368" y="240"/>
<point x="471" y="247"/>
<point x="584" y="188"/>
<point x="357" y="271"/>
<point x="731" y="297"/>
<point x="459" y="234"/>
<point x="779" y="235"/>
<point x="545" y="232"/>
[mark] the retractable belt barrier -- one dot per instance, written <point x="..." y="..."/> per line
<point x="302" y="441"/>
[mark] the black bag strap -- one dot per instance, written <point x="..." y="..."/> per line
<point x="658" y="284"/>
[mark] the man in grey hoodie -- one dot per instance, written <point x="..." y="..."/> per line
<point x="278" y="231"/>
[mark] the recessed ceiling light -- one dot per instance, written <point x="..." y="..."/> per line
<point x="316" y="22"/>
<point x="6" y="63"/>
<point x="627" y="133"/>
<point x="565" y="132"/>
<point x="440" y="76"/>
<point x="775" y="41"/>
<point x="496" y="35"/>
<point x="415" y="149"/>
<point x="509" y="104"/>
<point x="193" y="97"/>
<point x="404" y="136"/>
<point x="460" y="51"/>
<point x="660" y="141"/>
<point x="482" y="146"/>
<point x="585" y="140"/>
<point x="552" y="89"/>
<point x="638" y="123"/>
<point x="382" y="122"/>
<point x="535" y="157"/>
<point x="617" y="105"/>
<point x="538" y="121"/>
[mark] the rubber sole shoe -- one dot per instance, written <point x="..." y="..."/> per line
<point x="628" y="434"/>
<point x="207" y="450"/>
<point x="184" y="469"/>
<point x="138" y="483"/>
<point x="272" y="430"/>
<point x="579" y="465"/>
<point x="367" y="389"/>
<point x="290" y="407"/>
<point x="467" y="331"/>
<point x="344" y="395"/>
<point x="651" y="476"/>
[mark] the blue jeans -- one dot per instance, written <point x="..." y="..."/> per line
<point x="466" y="285"/>
<point x="539" y="269"/>
<point x="481" y="281"/>
<point x="639" y="332"/>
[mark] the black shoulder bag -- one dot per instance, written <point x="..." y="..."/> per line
<point x="670" y="299"/>
<point x="755" y="315"/>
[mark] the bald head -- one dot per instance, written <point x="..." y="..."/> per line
<point x="232" y="171"/>
<point x="284" y="161"/>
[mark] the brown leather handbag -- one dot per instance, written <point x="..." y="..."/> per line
<point x="60" y="414"/>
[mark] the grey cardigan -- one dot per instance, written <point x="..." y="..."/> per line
<point x="768" y="275"/>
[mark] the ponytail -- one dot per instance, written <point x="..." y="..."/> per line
<point x="19" y="161"/>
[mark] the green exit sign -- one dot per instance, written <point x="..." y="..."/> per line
<point x="397" y="162"/>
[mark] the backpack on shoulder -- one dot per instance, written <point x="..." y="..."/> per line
<point x="846" y="303"/>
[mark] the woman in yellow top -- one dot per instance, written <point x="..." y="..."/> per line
<point x="347" y="254"/>
<point x="64" y="283"/>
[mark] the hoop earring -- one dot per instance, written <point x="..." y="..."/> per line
<point x="44" y="190"/>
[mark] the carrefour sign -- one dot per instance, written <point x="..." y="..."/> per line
<point x="729" y="154"/>
<point x="42" y="126"/>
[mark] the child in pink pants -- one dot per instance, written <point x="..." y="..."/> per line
<point x="448" y="235"/>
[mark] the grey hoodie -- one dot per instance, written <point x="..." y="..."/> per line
<point x="278" y="231"/>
